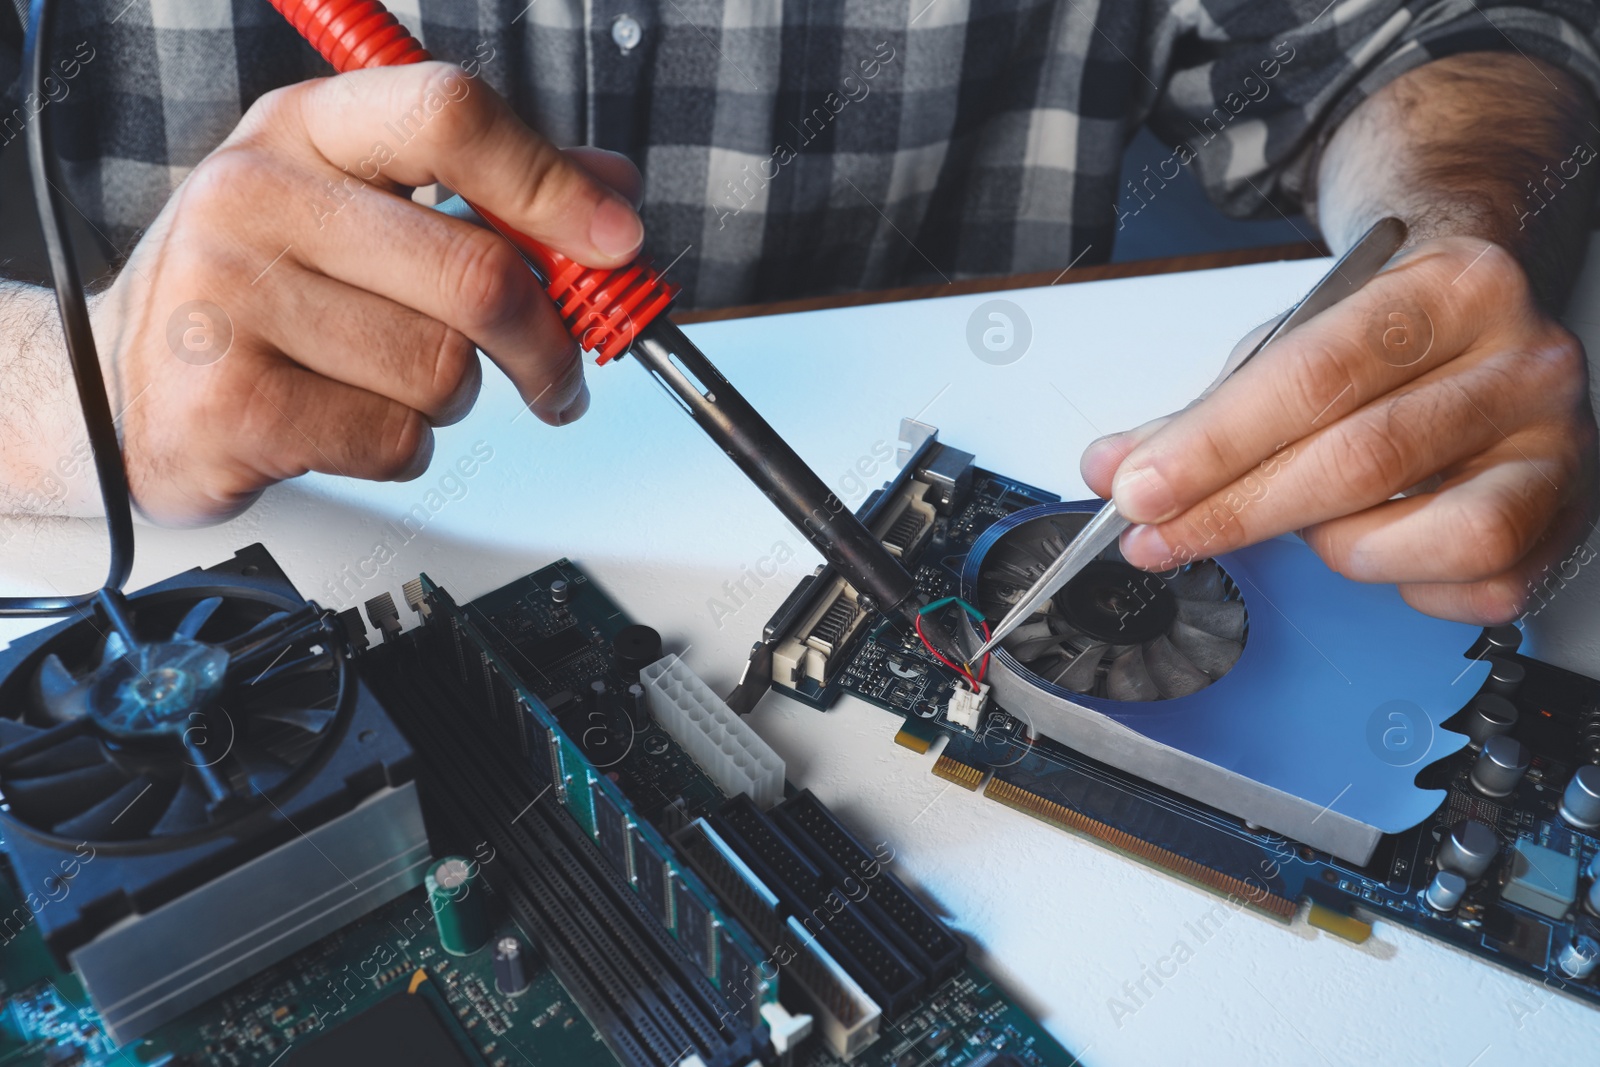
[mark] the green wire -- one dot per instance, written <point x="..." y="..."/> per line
<point x="977" y="616"/>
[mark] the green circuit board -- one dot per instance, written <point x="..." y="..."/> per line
<point x="392" y="952"/>
<point x="389" y="967"/>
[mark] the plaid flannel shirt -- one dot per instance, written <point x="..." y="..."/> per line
<point x="814" y="146"/>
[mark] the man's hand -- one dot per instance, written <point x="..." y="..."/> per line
<point x="1445" y="379"/>
<point x="1441" y="372"/>
<point x="291" y="310"/>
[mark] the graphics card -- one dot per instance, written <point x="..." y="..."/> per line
<point x="1255" y="724"/>
<point x="1266" y="714"/>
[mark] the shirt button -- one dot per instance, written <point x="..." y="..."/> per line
<point x="626" y="32"/>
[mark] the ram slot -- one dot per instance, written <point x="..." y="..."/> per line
<point x="646" y="998"/>
<point x="847" y="1018"/>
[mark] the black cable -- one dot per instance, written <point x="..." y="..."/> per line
<point x="70" y="300"/>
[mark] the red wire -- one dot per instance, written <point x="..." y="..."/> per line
<point x="964" y="672"/>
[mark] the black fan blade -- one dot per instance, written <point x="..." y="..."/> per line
<point x="69" y="755"/>
<point x="26" y="748"/>
<point x="52" y="799"/>
<point x="189" y="809"/>
<point x="256" y="631"/>
<point x="1073" y="671"/>
<point x="59" y="693"/>
<point x="125" y="814"/>
<point x="1129" y="680"/>
<point x="286" y="668"/>
<point x="1171" y="671"/>
<point x="1198" y="581"/>
<point x="311" y="720"/>
<point x="13" y="732"/>
<point x="113" y="649"/>
<point x="1032" y="648"/>
<point x="264" y="770"/>
<point x="1219" y="618"/>
<point x="1080" y="674"/>
<point x="215" y="785"/>
<point x="1212" y="654"/>
<point x="196" y="618"/>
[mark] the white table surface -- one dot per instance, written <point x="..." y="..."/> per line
<point x="637" y="496"/>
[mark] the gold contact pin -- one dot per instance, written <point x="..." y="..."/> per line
<point x="960" y="773"/>
<point x="1065" y="818"/>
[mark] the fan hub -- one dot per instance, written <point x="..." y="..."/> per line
<point x="154" y="690"/>
<point x="1117" y="603"/>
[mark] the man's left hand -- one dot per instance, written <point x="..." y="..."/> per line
<point x="1432" y="430"/>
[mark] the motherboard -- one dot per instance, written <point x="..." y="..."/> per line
<point x="1500" y="845"/>
<point x="634" y="899"/>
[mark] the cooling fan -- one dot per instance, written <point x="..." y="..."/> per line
<point x="1114" y="631"/>
<point x="194" y="724"/>
<point x="1260" y="683"/>
<point x="196" y="768"/>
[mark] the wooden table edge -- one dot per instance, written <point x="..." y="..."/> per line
<point x="1101" y="272"/>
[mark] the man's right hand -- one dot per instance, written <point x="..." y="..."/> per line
<point x="346" y="317"/>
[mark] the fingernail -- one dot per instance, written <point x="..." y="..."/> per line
<point x="1144" y="547"/>
<point x="575" y="410"/>
<point x="1102" y="444"/>
<point x="1143" y="495"/>
<point x="615" y="229"/>
<point x="419" y="462"/>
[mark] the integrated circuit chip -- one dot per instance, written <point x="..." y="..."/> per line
<point x="403" y="1028"/>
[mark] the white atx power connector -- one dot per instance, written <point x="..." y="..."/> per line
<point x="966" y="707"/>
<point x="715" y="737"/>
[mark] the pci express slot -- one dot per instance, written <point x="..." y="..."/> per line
<point x="847" y="1017"/>
<point x="843" y="928"/>
<point x="631" y="980"/>
<point x="848" y="862"/>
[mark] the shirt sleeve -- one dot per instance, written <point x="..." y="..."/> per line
<point x="1253" y="93"/>
<point x="11" y="39"/>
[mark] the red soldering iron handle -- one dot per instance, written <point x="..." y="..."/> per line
<point x="603" y="309"/>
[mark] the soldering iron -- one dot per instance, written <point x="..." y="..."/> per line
<point x="614" y="312"/>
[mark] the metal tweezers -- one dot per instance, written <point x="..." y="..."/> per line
<point x="1353" y="270"/>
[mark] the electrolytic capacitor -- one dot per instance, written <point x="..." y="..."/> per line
<point x="510" y="967"/>
<point x="1500" y="766"/>
<point x="455" y="892"/>
<point x="1579" y="957"/>
<point x="1496" y="640"/>
<point x="636" y="647"/>
<point x="1580" y="803"/>
<point x="1445" y="891"/>
<point x="1505" y="676"/>
<point x="559" y="592"/>
<point x="1490" y="716"/>
<point x="1468" y="849"/>
<point x="1592" y="900"/>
